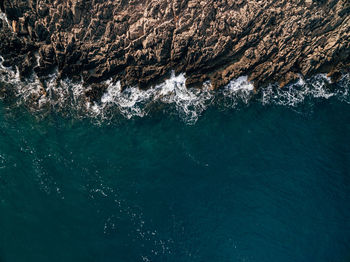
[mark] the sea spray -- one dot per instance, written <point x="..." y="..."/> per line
<point x="317" y="87"/>
<point x="189" y="103"/>
<point x="171" y="97"/>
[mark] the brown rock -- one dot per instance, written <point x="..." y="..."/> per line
<point x="140" y="41"/>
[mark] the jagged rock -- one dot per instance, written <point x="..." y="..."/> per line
<point x="95" y="91"/>
<point x="140" y="41"/>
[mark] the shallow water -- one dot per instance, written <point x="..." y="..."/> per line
<point x="263" y="179"/>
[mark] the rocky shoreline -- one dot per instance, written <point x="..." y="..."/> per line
<point x="139" y="42"/>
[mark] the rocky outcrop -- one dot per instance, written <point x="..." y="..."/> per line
<point x="141" y="41"/>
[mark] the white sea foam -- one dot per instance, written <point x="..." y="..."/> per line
<point x="294" y="94"/>
<point x="131" y="102"/>
<point x="171" y="96"/>
<point x="239" y="90"/>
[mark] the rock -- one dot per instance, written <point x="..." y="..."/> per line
<point x="308" y="2"/>
<point x="334" y="75"/>
<point x="141" y="41"/>
<point x="15" y="26"/>
<point x="95" y="91"/>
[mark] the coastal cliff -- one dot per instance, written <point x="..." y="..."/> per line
<point x="140" y="41"/>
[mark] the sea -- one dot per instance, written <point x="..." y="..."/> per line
<point x="174" y="174"/>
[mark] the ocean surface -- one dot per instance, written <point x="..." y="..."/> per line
<point x="176" y="175"/>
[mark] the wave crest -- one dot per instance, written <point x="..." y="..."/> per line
<point x="188" y="103"/>
<point x="317" y="87"/>
<point x="171" y="96"/>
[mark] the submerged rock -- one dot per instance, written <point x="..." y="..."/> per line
<point x="140" y="41"/>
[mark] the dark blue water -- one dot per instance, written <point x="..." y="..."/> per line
<point x="258" y="183"/>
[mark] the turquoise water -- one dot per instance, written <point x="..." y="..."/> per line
<point x="257" y="182"/>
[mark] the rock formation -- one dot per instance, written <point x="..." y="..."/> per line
<point x="140" y="41"/>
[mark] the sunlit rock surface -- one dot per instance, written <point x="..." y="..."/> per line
<point x="140" y="42"/>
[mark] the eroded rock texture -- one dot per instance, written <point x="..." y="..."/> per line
<point x="140" y="41"/>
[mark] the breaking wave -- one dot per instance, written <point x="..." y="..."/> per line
<point x="170" y="97"/>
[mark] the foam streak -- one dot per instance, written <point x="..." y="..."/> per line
<point x="170" y="96"/>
